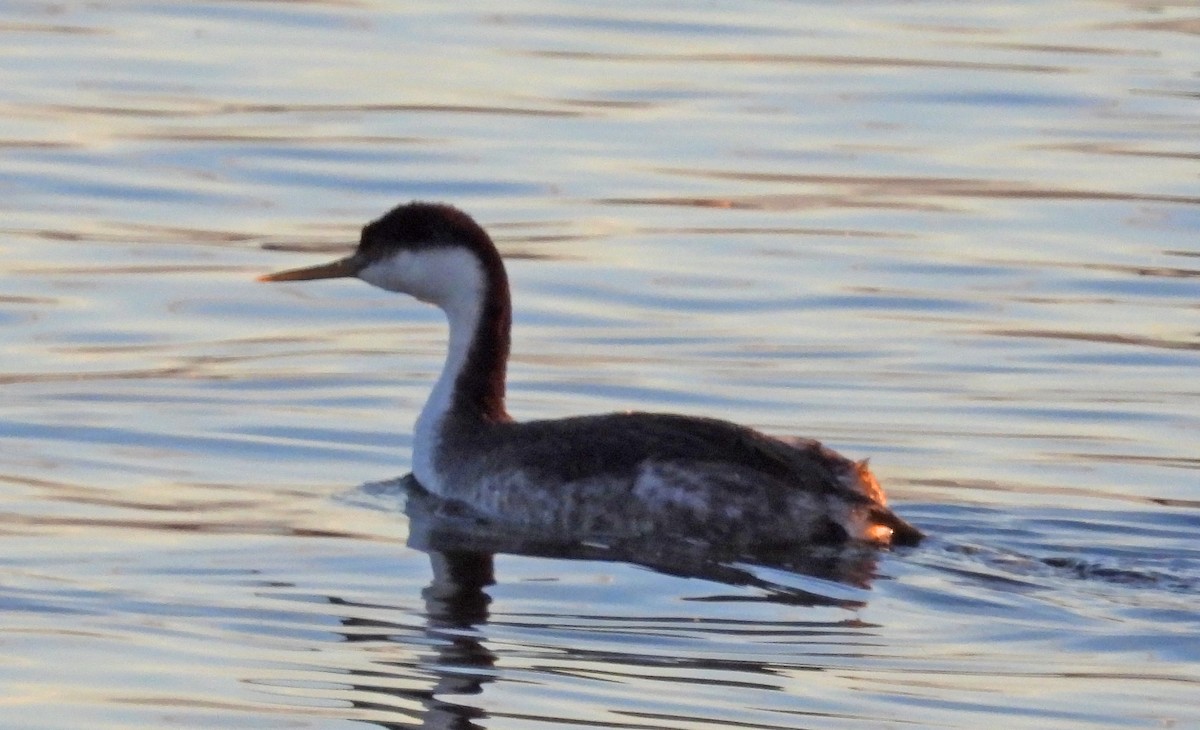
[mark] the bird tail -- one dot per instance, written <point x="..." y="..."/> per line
<point x="903" y="534"/>
<point x="882" y="525"/>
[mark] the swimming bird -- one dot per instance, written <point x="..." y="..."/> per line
<point x="614" y="476"/>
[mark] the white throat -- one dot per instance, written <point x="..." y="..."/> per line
<point x="452" y="279"/>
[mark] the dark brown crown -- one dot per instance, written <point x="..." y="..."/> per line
<point x="419" y="225"/>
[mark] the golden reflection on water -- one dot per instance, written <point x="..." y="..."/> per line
<point x="955" y="241"/>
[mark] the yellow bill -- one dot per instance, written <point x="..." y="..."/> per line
<point x="349" y="266"/>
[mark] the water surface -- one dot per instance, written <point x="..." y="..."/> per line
<point x="958" y="239"/>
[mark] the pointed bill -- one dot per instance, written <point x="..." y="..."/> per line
<point x="349" y="266"/>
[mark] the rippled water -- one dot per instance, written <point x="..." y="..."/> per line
<point x="958" y="238"/>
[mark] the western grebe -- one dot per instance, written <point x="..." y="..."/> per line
<point x="619" y="475"/>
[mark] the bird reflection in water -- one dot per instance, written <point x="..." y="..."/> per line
<point x="462" y="550"/>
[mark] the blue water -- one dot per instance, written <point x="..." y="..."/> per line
<point x="960" y="239"/>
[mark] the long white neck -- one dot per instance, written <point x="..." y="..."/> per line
<point x="473" y="292"/>
<point x="463" y="316"/>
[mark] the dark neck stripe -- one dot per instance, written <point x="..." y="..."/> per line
<point x="480" y="387"/>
